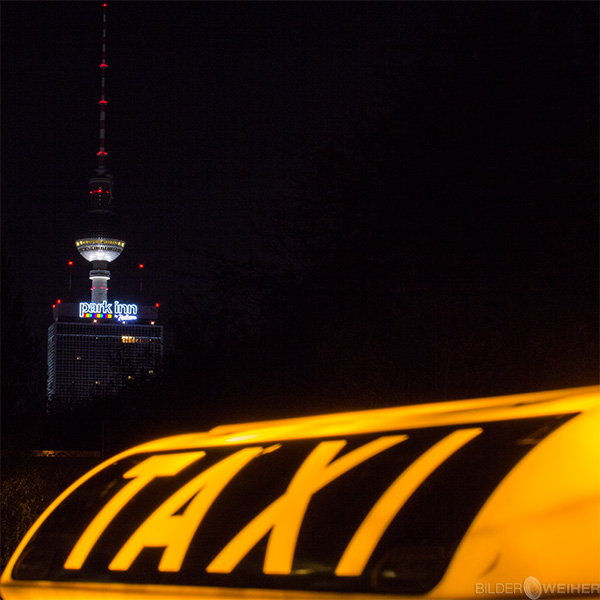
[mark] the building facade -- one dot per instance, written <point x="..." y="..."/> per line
<point x="94" y="355"/>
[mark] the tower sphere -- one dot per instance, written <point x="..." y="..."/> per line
<point x="99" y="249"/>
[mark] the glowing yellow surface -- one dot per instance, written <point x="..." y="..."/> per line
<point x="456" y="412"/>
<point x="543" y="519"/>
<point x="111" y="591"/>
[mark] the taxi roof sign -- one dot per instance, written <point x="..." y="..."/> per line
<point x="416" y="500"/>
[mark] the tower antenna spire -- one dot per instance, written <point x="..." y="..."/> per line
<point x="100" y="243"/>
<point x="101" y="170"/>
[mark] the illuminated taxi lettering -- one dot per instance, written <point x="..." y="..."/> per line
<point x="175" y="532"/>
<point x="173" y="529"/>
<point x="363" y="543"/>
<point x="283" y="517"/>
<point x="337" y="511"/>
<point x="141" y="475"/>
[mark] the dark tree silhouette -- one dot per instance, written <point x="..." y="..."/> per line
<point x="23" y="373"/>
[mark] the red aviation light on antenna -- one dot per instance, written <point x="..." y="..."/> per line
<point x="141" y="265"/>
<point x="157" y="304"/>
<point x="103" y="65"/>
<point x="101" y="153"/>
<point x="70" y="263"/>
<point x="103" y="102"/>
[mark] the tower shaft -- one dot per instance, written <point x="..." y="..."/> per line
<point x="99" y="279"/>
<point x="102" y="150"/>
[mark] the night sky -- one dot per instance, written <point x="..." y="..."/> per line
<point x="212" y="106"/>
<point x="207" y="104"/>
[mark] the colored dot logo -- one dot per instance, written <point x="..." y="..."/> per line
<point x="532" y="588"/>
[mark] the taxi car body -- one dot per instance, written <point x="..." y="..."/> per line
<point x="475" y="498"/>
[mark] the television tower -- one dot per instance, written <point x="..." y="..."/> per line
<point x="101" y="243"/>
<point x="95" y="348"/>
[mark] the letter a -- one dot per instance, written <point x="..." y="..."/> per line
<point x="165" y="465"/>
<point x="173" y="531"/>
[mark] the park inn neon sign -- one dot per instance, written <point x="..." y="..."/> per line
<point x="108" y="310"/>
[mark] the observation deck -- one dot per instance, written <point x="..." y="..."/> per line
<point x="100" y="249"/>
